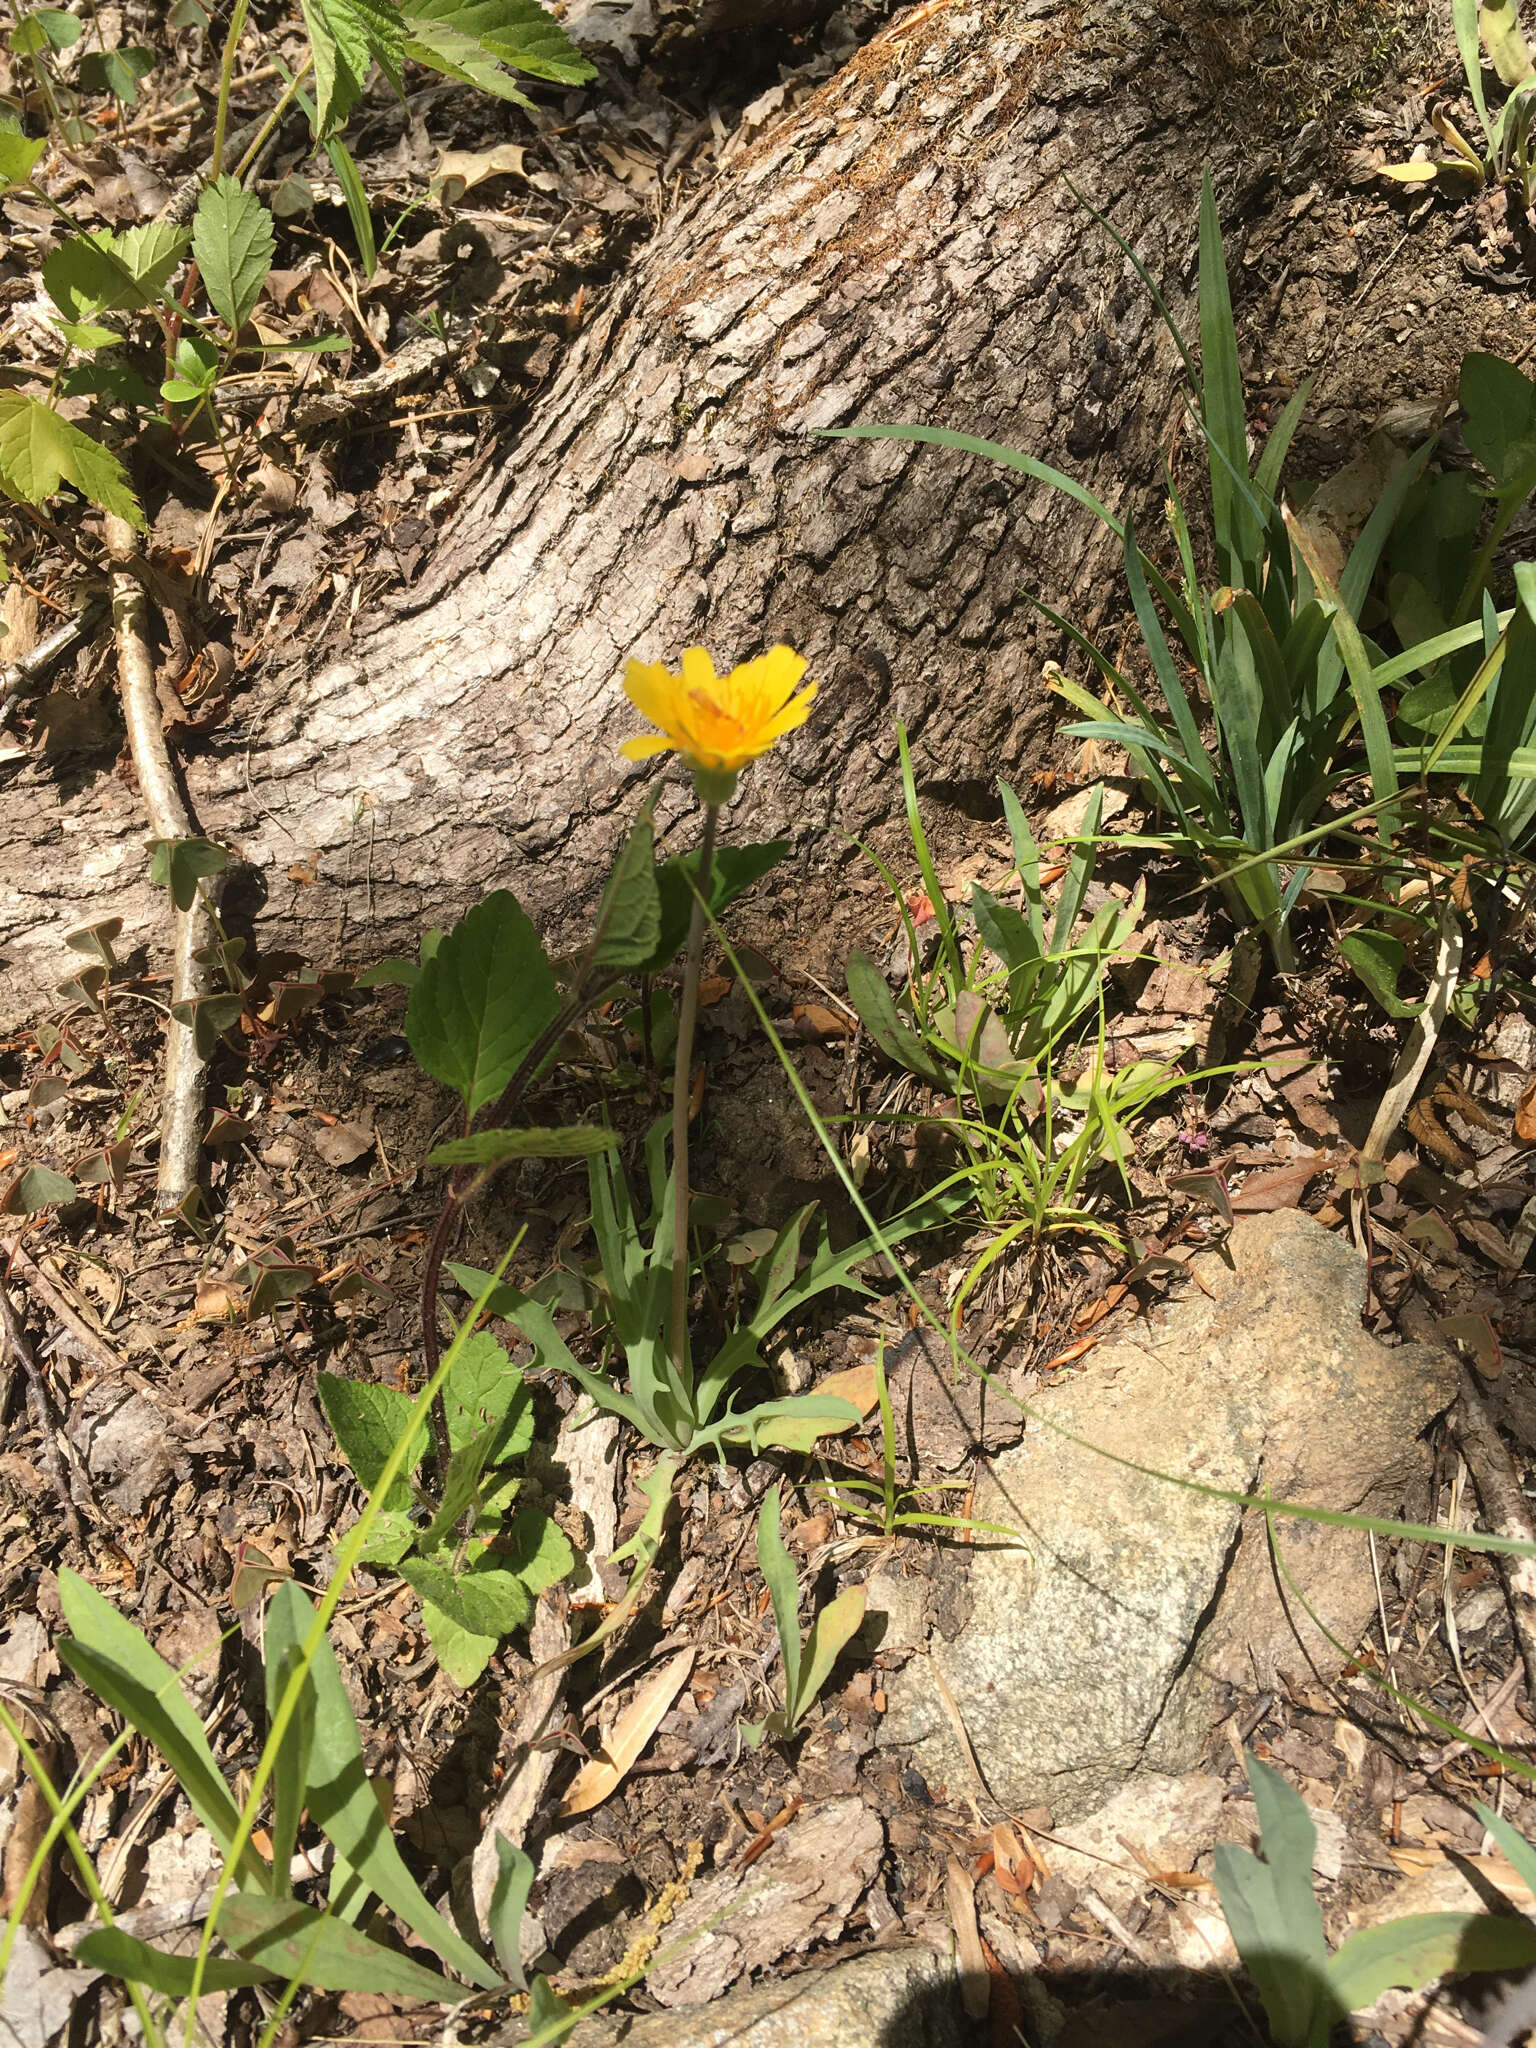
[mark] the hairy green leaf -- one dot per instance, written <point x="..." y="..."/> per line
<point x="482" y="1001"/>
<point x="342" y="1804"/>
<point x="124" y="1955"/>
<point x="368" y="1419"/>
<point x="319" y="1950"/>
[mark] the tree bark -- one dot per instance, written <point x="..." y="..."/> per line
<point x="901" y="247"/>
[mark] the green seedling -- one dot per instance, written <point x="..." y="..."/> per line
<point x="673" y="1404"/>
<point x="1505" y="157"/>
<point x="808" y="1664"/>
<point x="1278" y="1926"/>
<point x="477" y="1561"/>
<point x="885" y="1505"/>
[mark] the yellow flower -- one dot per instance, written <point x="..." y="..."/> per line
<point x="717" y="723"/>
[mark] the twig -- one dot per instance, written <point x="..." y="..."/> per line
<point x="186" y="1071"/>
<point x="1505" y="1510"/>
<point x="41" y="1410"/>
<point x="39" y="1279"/>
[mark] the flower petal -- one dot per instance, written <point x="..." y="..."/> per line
<point x="645" y="745"/>
<point x="651" y="689"/>
<point x="698" y="670"/>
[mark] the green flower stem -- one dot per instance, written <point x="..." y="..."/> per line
<point x="226" y="76"/>
<point x="681" y="1077"/>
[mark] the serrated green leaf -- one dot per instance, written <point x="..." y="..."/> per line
<point x="735" y="869"/>
<point x="179" y="864"/>
<point x="233" y="242"/>
<point x="116" y="71"/>
<point x="486" y="1389"/>
<point x="39" y="450"/>
<point x="486" y="1601"/>
<point x="390" y="1537"/>
<point x="492" y="1148"/>
<point x="103" y="272"/>
<point x="299" y="1942"/>
<point x="535" y="1547"/>
<point x="369" y="1419"/>
<point x="478" y="35"/>
<point x="18" y="154"/>
<point x="482" y="1000"/>
<point x="37" y="1187"/>
<point x="347" y="37"/>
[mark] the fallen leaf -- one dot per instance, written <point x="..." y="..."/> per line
<point x="714" y="988"/>
<point x="627" y="1738"/>
<point x="473" y="166"/>
<point x="791" y="1433"/>
<point x="1525" y="1114"/>
<point x="1476" y="1334"/>
<point x="343" y="1143"/>
<point x="1282" y="1188"/>
<point x="1011" y="1862"/>
<point x="815" y="1020"/>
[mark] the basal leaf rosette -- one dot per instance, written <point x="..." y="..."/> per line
<point x="717" y="723"/>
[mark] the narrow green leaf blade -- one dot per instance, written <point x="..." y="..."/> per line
<point x="124" y="1955"/>
<point x="778" y="1570"/>
<point x="514" y="1880"/>
<point x="342" y="1803"/>
<point x="121" y="1667"/>
<point x="1412" y="1952"/>
<point x="494" y="1147"/>
<point x="317" y="1949"/>
<point x="833" y="1629"/>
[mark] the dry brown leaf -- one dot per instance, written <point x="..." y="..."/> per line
<point x="975" y="1977"/>
<point x="1281" y="1189"/>
<point x="1525" y="1114"/>
<point x="474" y="166"/>
<point x="628" y="1737"/>
<point x="794" y="1433"/>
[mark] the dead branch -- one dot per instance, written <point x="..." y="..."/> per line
<point x="186" y="1072"/>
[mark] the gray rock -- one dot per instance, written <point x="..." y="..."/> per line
<point x="1096" y="1646"/>
<point x="890" y="1998"/>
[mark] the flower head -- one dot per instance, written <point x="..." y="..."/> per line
<point x="717" y="723"/>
